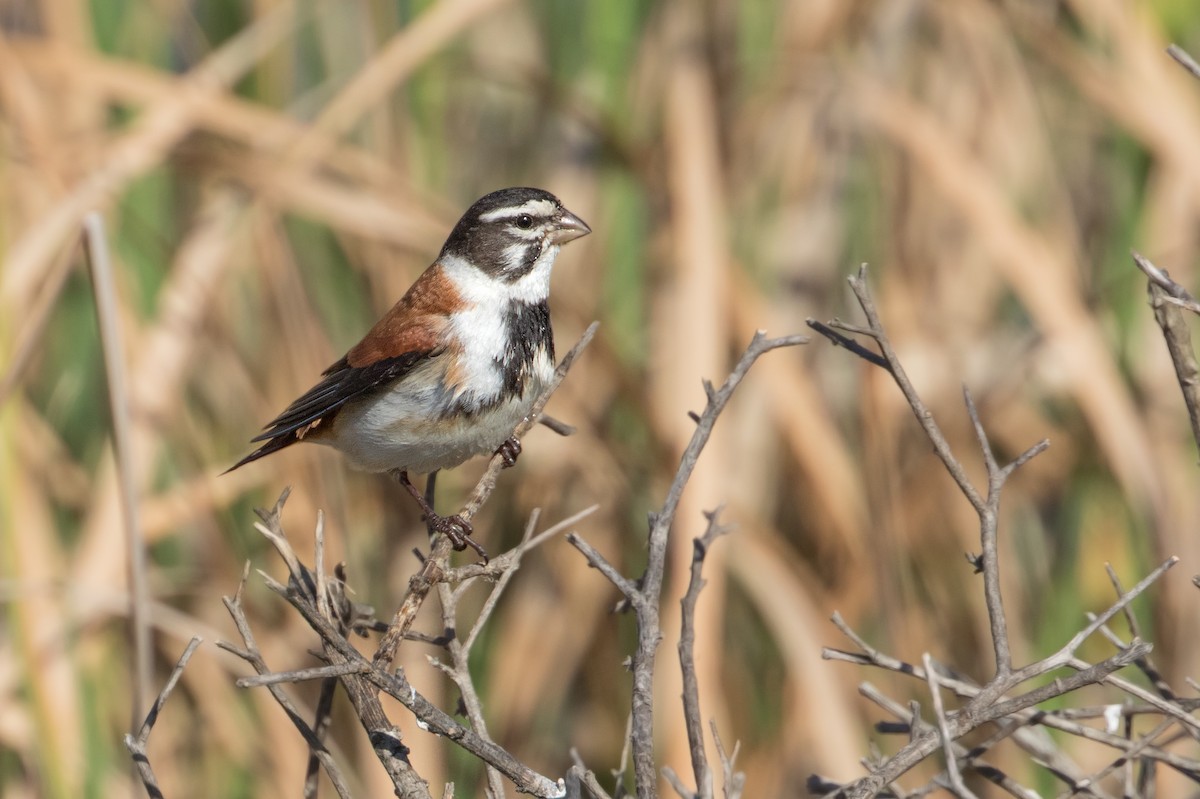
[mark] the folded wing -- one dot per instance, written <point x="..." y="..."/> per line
<point x="341" y="383"/>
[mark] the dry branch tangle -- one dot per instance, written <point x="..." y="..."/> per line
<point x="993" y="702"/>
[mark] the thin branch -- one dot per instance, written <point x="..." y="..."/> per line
<point x="323" y="715"/>
<point x="1166" y="297"/>
<point x="992" y="702"/>
<point x="862" y="292"/>
<point x="1185" y="60"/>
<point x="988" y="508"/>
<point x="846" y="342"/>
<point x="579" y="777"/>
<point x="676" y="783"/>
<point x="1115" y="608"/>
<point x="939" y="712"/>
<point x="493" y="597"/>
<point x="627" y="587"/>
<point x="322" y="719"/>
<point x="497" y="566"/>
<point x="136" y="744"/>
<point x="298" y="675"/>
<point x="1162" y="279"/>
<point x="459" y="670"/>
<point x="911" y="723"/>
<point x="989" y="536"/>
<point x="692" y="718"/>
<point x="735" y="781"/>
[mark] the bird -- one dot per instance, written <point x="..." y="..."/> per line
<point x="457" y="362"/>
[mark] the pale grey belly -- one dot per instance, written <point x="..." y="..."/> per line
<point x="408" y="428"/>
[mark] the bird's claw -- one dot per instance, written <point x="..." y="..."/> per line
<point x="458" y="530"/>
<point x="509" y="451"/>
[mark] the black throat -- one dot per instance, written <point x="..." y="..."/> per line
<point x="529" y="333"/>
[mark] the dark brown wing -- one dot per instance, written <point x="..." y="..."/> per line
<point x="412" y="331"/>
<point x="342" y="383"/>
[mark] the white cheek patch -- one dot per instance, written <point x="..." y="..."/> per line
<point x="514" y="256"/>
<point x="479" y="289"/>
<point x="534" y="287"/>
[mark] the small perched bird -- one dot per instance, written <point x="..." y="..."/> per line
<point x="456" y="364"/>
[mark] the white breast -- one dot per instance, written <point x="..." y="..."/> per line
<point x="421" y="424"/>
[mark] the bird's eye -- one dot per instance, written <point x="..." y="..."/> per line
<point x="525" y="221"/>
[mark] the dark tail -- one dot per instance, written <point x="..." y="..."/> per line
<point x="272" y="445"/>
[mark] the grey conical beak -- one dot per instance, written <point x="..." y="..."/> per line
<point x="568" y="228"/>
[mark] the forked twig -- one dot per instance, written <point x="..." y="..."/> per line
<point x="645" y="594"/>
<point x="136" y="744"/>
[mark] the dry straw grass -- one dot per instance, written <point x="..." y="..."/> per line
<point x="274" y="175"/>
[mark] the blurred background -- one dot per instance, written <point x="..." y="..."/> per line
<point x="275" y="174"/>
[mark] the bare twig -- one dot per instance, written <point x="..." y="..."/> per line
<point x="734" y="781"/>
<point x="644" y="595"/>
<point x="108" y="316"/>
<point x="693" y="721"/>
<point x="136" y="744"/>
<point x="846" y="342"/>
<point x="1185" y="60"/>
<point x="251" y="655"/>
<point x="580" y="777"/>
<point x="1166" y="298"/>
<point x="988" y="704"/>
<point x="939" y="712"/>
<point x="363" y="681"/>
<point x="858" y="284"/>
<point x="1015" y="723"/>
<point x="498" y="566"/>
<point x="384" y="736"/>
<point x="323" y="715"/>
<point x="340" y="650"/>
<point x="460" y="650"/>
<point x="911" y="723"/>
<point x="1160" y="277"/>
<point x="987" y="508"/>
<point x="298" y="675"/>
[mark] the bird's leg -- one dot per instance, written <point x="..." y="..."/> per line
<point x="456" y="528"/>
<point x="509" y="450"/>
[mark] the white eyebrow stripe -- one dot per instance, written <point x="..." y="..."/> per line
<point x="538" y="208"/>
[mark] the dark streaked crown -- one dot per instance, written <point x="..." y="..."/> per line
<point x="505" y="232"/>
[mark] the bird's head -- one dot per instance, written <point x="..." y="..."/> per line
<point x="511" y="231"/>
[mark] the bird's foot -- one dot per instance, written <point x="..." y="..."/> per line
<point x="458" y="530"/>
<point x="509" y="451"/>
